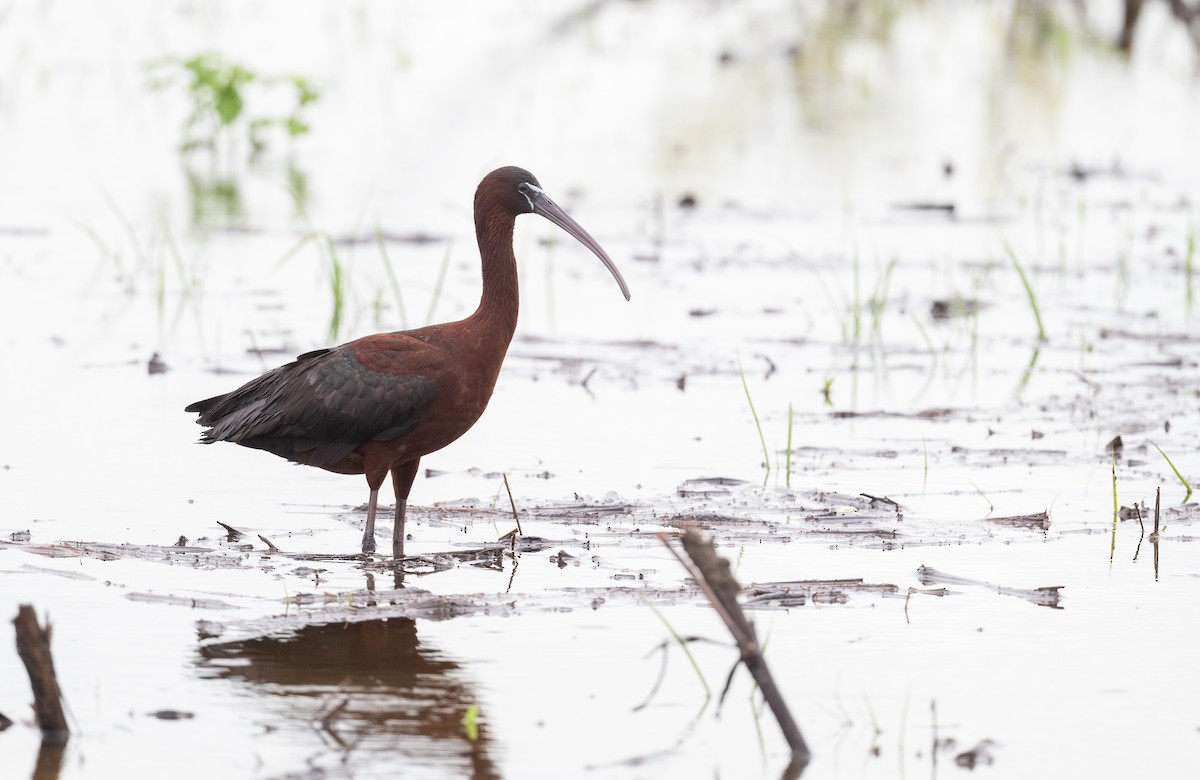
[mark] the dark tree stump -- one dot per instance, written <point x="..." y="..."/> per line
<point x="33" y="646"/>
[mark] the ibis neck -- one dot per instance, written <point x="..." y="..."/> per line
<point x="500" y="300"/>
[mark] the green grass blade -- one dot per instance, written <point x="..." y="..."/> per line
<point x="1037" y="315"/>
<point x="312" y="235"/>
<point x="1182" y="481"/>
<point x="387" y="266"/>
<point x="1033" y="359"/>
<point x="856" y="306"/>
<point x="879" y="298"/>
<point x="762" y="439"/>
<point x="337" y="289"/>
<point x="1112" y="549"/>
<point x="1116" y="509"/>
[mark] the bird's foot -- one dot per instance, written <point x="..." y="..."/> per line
<point x="368" y="545"/>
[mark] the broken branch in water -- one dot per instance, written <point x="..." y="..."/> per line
<point x="33" y="646"/>
<point x="714" y="577"/>
<point x="1046" y="596"/>
<point x="513" y="504"/>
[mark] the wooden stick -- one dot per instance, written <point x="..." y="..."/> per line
<point x="1154" y="536"/>
<point x="513" y="504"/>
<point x="715" y="578"/>
<point x="33" y="646"/>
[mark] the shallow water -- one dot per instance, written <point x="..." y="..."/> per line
<point x="803" y="277"/>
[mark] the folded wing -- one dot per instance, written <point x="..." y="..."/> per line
<point x="320" y="407"/>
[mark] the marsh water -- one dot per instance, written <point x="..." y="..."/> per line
<point x="901" y="276"/>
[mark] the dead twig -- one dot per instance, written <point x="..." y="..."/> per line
<point x="513" y="504"/>
<point x="1154" y="538"/>
<point x="879" y="499"/>
<point x="231" y="534"/>
<point x="33" y="646"/>
<point x="712" y="573"/>
<point x="1142" y="525"/>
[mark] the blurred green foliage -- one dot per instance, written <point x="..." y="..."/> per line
<point x="220" y="90"/>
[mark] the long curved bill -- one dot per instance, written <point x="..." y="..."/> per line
<point x="547" y="208"/>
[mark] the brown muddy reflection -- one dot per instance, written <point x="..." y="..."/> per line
<point x="369" y="688"/>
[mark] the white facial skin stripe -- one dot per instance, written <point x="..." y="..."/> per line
<point x="524" y="190"/>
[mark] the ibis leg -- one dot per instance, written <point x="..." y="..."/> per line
<point x="368" y="542"/>
<point x="402" y="480"/>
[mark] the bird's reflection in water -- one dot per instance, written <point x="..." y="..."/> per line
<point x="369" y="688"/>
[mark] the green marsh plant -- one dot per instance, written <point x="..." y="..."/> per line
<point x="1179" y="476"/>
<point x="335" y="270"/>
<point x="874" y="306"/>
<point x="391" y="275"/>
<point x="761" y="438"/>
<point x="155" y="263"/>
<point x="220" y="92"/>
<point x="1029" y="293"/>
<point x="1112" y="548"/>
<point x="879" y="298"/>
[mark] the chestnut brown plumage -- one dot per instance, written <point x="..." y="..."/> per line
<point x="379" y="403"/>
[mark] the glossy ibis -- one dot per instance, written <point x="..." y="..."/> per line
<point x="379" y="403"/>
